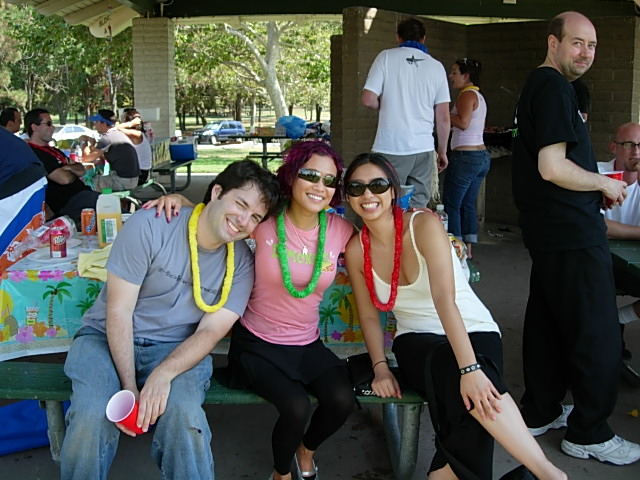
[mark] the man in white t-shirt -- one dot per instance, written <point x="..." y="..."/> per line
<point x="410" y="89"/>
<point x="623" y="221"/>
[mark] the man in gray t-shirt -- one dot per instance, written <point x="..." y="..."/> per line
<point x="118" y="150"/>
<point x="151" y="330"/>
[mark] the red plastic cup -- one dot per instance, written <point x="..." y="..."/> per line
<point x="617" y="175"/>
<point x="123" y="408"/>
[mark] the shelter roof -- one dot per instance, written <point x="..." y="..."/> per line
<point x="88" y="12"/>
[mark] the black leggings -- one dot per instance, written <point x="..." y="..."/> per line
<point x="335" y="402"/>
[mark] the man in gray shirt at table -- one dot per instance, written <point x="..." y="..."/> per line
<point x="166" y="304"/>
<point x="118" y="150"/>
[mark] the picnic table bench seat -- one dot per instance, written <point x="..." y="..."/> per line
<point x="47" y="383"/>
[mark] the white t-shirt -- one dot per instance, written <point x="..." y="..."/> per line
<point x="409" y="83"/>
<point x="629" y="212"/>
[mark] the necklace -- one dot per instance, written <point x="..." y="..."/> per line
<point x="305" y="250"/>
<point x="195" y="268"/>
<point x="395" y="275"/>
<point x="284" y="261"/>
<point x="469" y="87"/>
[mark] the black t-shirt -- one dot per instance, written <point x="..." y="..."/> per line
<point x="57" y="195"/>
<point x="120" y="153"/>
<point x="553" y="218"/>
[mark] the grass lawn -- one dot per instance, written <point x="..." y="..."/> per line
<point x="214" y="160"/>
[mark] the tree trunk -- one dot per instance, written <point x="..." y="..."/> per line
<point x="238" y="108"/>
<point x="318" y="111"/>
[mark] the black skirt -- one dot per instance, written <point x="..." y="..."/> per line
<point x="303" y="363"/>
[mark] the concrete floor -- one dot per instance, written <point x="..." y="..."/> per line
<point x="241" y="434"/>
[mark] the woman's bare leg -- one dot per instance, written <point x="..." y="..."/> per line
<point x="444" y="473"/>
<point x="512" y="433"/>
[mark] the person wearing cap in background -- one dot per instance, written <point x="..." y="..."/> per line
<point x="117" y="149"/>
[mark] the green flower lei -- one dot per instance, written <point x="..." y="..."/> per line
<point x="284" y="262"/>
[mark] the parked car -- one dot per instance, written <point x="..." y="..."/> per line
<point x="219" y="131"/>
<point x="72" y="132"/>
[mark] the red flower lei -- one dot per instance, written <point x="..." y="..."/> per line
<point x="368" y="269"/>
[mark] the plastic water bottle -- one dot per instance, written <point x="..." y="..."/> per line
<point x="341" y="260"/>
<point x="443" y="216"/>
<point x="109" y="217"/>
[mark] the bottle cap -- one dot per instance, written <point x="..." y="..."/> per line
<point x="439" y="207"/>
<point x="107" y="190"/>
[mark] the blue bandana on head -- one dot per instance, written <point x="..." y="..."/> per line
<point x="414" y="44"/>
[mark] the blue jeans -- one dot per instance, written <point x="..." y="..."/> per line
<point x="181" y="444"/>
<point x="462" y="181"/>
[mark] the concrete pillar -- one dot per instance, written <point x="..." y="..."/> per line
<point x="154" y="73"/>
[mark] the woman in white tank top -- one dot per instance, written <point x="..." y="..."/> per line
<point x="469" y="162"/>
<point x="404" y="262"/>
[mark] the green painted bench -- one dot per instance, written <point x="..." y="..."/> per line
<point x="47" y="383"/>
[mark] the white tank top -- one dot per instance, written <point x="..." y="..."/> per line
<point x="472" y="135"/>
<point x="415" y="310"/>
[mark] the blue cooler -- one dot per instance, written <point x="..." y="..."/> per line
<point x="182" y="149"/>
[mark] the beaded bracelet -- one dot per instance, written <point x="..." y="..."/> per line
<point x="470" y="368"/>
<point x="379" y="361"/>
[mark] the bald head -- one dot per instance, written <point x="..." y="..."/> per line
<point x="571" y="44"/>
<point x="625" y="145"/>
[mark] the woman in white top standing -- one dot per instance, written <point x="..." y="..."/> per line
<point x="469" y="162"/>
<point x="133" y="127"/>
<point x="404" y="262"/>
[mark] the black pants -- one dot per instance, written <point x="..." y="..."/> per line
<point x="459" y="432"/>
<point x="335" y="396"/>
<point x="572" y="340"/>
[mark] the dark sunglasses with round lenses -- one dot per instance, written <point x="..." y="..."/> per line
<point x="376" y="186"/>
<point x="314" y="176"/>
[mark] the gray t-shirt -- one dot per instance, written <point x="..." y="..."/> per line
<point x="120" y="153"/>
<point x="155" y="255"/>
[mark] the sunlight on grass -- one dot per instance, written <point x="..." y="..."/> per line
<point x="215" y="159"/>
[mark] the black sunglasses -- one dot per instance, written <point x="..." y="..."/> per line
<point x="314" y="176"/>
<point x="48" y="124"/>
<point x="376" y="186"/>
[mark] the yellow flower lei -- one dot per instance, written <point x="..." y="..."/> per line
<point x="195" y="268"/>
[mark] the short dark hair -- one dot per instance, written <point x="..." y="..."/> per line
<point x="33" y="116"/>
<point x="379" y="161"/>
<point x="297" y="156"/>
<point x="247" y="172"/>
<point x="556" y="27"/>
<point x="411" y="29"/>
<point x="8" y="115"/>
<point x="472" y="67"/>
<point x="108" y="114"/>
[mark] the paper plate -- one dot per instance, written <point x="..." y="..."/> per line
<point x="43" y="255"/>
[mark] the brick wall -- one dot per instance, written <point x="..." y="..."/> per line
<point x="154" y="73"/>
<point x="508" y="52"/>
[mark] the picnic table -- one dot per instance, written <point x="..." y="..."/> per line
<point x="169" y="168"/>
<point x="265" y="155"/>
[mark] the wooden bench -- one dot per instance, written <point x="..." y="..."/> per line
<point x="169" y="168"/>
<point x="47" y="383"/>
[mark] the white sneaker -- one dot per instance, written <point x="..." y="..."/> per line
<point x="616" y="451"/>
<point x="560" y="422"/>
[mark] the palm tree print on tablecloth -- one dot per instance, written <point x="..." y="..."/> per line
<point x="92" y="293"/>
<point x="59" y="291"/>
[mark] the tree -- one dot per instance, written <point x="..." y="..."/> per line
<point x="63" y="66"/>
